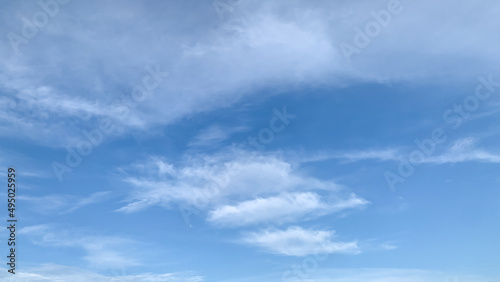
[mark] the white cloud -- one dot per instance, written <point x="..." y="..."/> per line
<point x="472" y="156"/>
<point x="101" y="251"/>
<point x="464" y="150"/>
<point x="353" y="156"/>
<point x="381" y="155"/>
<point x="462" y="144"/>
<point x="213" y="180"/>
<point x="285" y="207"/>
<point x="387" y="275"/>
<point x="214" y="135"/>
<point x="296" y="241"/>
<point x="239" y="188"/>
<point x="321" y="274"/>
<point x="374" y="245"/>
<point x="216" y="63"/>
<point x="60" y="273"/>
<point x="35" y="229"/>
<point x="388" y="246"/>
<point x="63" y="204"/>
<point x="461" y="150"/>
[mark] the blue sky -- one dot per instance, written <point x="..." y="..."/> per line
<point x="252" y="140"/>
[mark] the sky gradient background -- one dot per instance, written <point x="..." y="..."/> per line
<point x="252" y="140"/>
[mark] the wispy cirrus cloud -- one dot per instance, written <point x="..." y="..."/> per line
<point x="459" y="151"/>
<point x="464" y="150"/>
<point x="217" y="64"/>
<point x="229" y="176"/>
<point x="296" y="241"/>
<point x="237" y="188"/>
<point x="353" y="156"/>
<point x="214" y="135"/>
<point x="370" y="275"/>
<point x="53" y="272"/>
<point x="63" y="204"/>
<point x="101" y="251"/>
<point x="287" y="207"/>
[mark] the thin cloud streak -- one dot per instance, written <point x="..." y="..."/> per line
<point x="299" y="242"/>
<point x="280" y="209"/>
